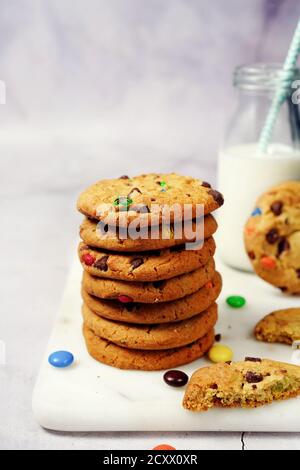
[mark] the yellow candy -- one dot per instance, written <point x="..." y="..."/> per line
<point x="220" y="353"/>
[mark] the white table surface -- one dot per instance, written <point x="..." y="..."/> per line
<point x="39" y="185"/>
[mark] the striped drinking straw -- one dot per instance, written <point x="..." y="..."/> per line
<point x="282" y="91"/>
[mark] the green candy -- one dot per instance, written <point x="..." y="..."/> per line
<point x="123" y="201"/>
<point x="236" y="301"/>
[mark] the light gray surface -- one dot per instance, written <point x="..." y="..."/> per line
<point x="117" y="87"/>
<point x="38" y="229"/>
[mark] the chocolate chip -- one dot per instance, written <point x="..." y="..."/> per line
<point x="283" y="245"/>
<point x="276" y="207"/>
<point x="218" y="338"/>
<point x="251" y="254"/>
<point x="136" y="262"/>
<point x="298" y="273"/>
<point x="218" y="197"/>
<point x="254" y="387"/>
<point x="228" y="362"/>
<point x="101" y="263"/>
<point x="253" y="359"/>
<point x="158" y="284"/>
<point x="134" y="190"/>
<point x="205" y="184"/>
<point x="253" y="378"/>
<point x="124" y="177"/>
<point x="272" y="236"/>
<point x="214" y="386"/>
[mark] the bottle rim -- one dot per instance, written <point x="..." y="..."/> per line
<point x="263" y="76"/>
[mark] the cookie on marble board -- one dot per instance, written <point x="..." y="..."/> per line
<point x="133" y="359"/>
<point x="149" y="292"/>
<point x="173" y="311"/>
<point x="281" y="326"/>
<point x="146" y="197"/>
<point x="152" y="337"/>
<point x="272" y="237"/>
<point x="159" y="238"/>
<point x="147" y="267"/>
<point x="245" y="384"/>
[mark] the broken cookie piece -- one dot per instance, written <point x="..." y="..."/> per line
<point x="245" y="384"/>
<point x="281" y="326"/>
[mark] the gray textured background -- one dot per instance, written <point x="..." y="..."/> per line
<point x="98" y="88"/>
<point x="150" y="71"/>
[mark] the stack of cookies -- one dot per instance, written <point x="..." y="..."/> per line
<point x="149" y="303"/>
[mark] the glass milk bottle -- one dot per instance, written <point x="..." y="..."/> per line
<point x="243" y="172"/>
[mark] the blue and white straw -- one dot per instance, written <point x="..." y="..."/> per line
<point x="282" y="92"/>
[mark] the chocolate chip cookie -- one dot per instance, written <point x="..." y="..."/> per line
<point x="281" y="326"/>
<point x="147" y="267"/>
<point x="173" y="311"/>
<point x="148" y="199"/>
<point x="246" y="384"/>
<point x="149" y="292"/>
<point x="161" y="236"/>
<point x="272" y="237"/>
<point x="152" y="337"/>
<point x="124" y="358"/>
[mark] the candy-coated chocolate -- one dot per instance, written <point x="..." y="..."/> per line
<point x="163" y="447"/>
<point x="61" y="359"/>
<point x="267" y="262"/>
<point x="236" y="301"/>
<point x="220" y="353"/>
<point x="176" y="378"/>
<point x="257" y="211"/>
<point x="125" y="299"/>
<point x="88" y="259"/>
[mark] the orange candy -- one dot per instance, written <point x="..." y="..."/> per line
<point x="267" y="262"/>
<point x="163" y="447"/>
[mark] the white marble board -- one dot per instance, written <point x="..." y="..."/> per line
<point x="89" y="396"/>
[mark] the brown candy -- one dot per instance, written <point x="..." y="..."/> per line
<point x="205" y="184"/>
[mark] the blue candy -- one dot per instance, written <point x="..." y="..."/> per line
<point x="61" y="359"/>
<point x="256" y="211"/>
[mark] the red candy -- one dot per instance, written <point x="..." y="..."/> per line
<point x="164" y="447"/>
<point x="125" y="299"/>
<point x="267" y="262"/>
<point x="88" y="259"/>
